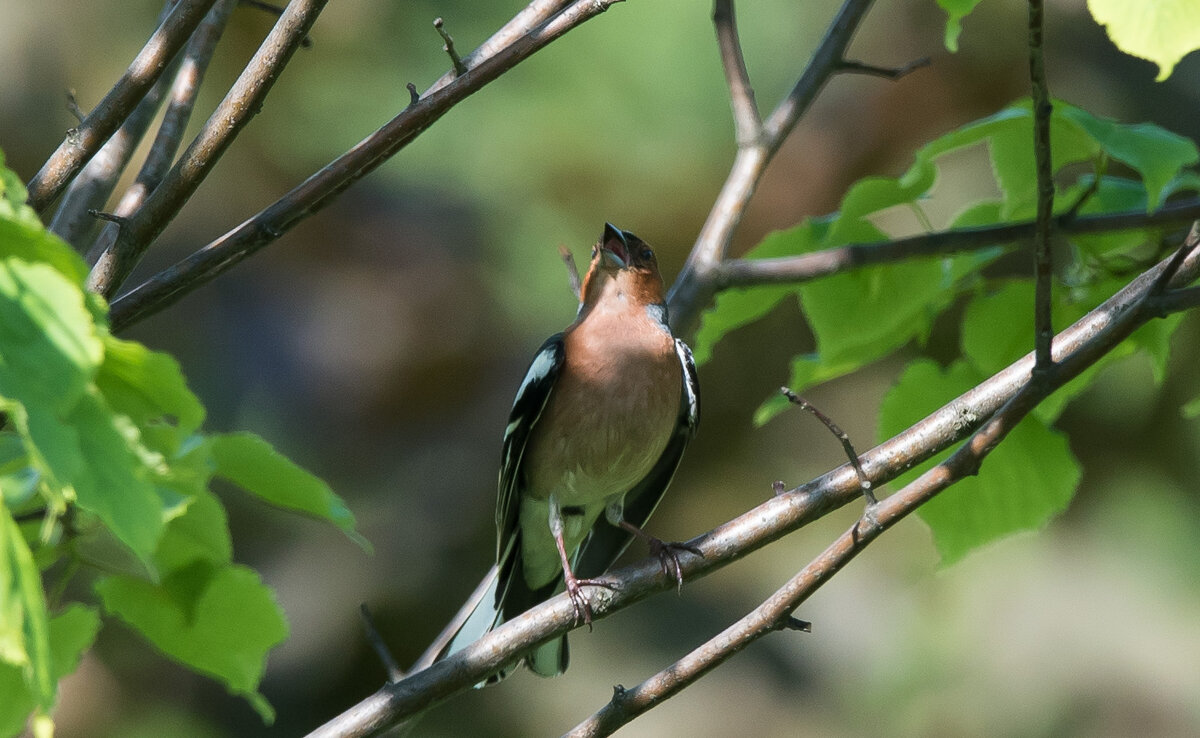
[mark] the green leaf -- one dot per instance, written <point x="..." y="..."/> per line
<point x="1191" y="409"/>
<point x="1163" y="31"/>
<point x="23" y="236"/>
<point x="200" y="534"/>
<point x="251" y="463"/>
<point x="148" y="386"/>
<point x="1154" y="152"/>
<point x="218" y="620"/>
<point x="1030" y="477"/>
<point x="50" y="348"/>
<point x="71" y="633"/>
<point x="956" y="10"/>
<point x="735" y="308"/>
<point x="24" y="627"/>
<point x="110" y="472"/>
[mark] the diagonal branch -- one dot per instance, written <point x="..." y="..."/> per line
<point x="694" y="289"/>
<point x="1084" y="342"/>
<point x="804" y="267"/>
<point x="317" y="191"/>
<point x="95" y="182"/>
<point x="242" y="102"/>
<point x="184" y="89"/>
<point x="83" y="141"/>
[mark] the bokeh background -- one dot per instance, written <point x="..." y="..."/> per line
<point x="380" y="343"/>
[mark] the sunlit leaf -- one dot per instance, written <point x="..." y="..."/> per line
<point x="1161" y="31"/>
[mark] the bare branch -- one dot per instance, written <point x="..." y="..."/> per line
<point x="805" y="267"/>
<point x="1084" y="342"/>
<point x="244" y="99"/>
<point x="196" y="58"/>
<point x="318" y="190"/>
<point x="455" y="60"/>
<point x="94" y="183"/>
<point x="694" y="289"/>
<point x="863" y="482"/>
<point x="1044" y="265"/>
<point x="394" y="672"/>
<point x="572" y="271"/>
<point x="85" y="140"/>
<point x="746" y="120"/>
<point x="890" y="73"/>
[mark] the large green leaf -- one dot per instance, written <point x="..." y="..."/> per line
<point x="1161" y="31"/>
<point x="1024" y="482"/>
<point x="50" y="347"/>
<point x="148" y="386"/>
<point x="251" y="463"/>
<point x="216" y="619"/>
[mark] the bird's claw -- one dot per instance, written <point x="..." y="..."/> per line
<point x="583" y="607"/>
<point x="668" y="558"/>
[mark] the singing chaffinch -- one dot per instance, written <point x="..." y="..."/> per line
<point x="598" y="426"/>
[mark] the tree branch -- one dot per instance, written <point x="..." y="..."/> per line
<point x="805" y="267"/>
<point x="196" y="57"/>
<point x="268" y="225"/>
<point x="1044" y="264"/>
<point x="241" y="103"/>
<point x="83" y="141"/>
<point x="746" y="120"/>
<point x="694" y="288"/>
<point x="91" y="187"/>
<point x="1085" y="341"/>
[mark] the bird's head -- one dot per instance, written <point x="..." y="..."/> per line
<point x="622" y="265"/>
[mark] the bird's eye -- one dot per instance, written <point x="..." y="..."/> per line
<point x="647" y="253"/>
<point x="594" y="250"/>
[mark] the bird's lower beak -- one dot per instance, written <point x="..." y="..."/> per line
<point x="611" y="258"/>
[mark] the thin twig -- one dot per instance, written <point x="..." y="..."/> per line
<point x="891" y="73"/>
<point x="816" y="264"/>
<point x="1085" y="341"/>
<point x="243" y="100"/>
<point x="394" y="672"/>
<point x="1044" y="265"/>
<point x="455" y="60"/>
<point x="572" y="271"/>
<point x="83" y="141"/>
<point x="319" y="190"/>
<point x="196" y="57"/>
<point x="863" y="482"/>
<point x="746" y="120"/>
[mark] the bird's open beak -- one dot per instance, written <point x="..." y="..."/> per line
<point x="614" y="249"/>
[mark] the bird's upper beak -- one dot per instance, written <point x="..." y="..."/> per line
<point x="614" y="248"/>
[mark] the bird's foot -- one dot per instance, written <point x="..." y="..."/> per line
<point x="583" y="607"/>
<point x="668" y="557"/>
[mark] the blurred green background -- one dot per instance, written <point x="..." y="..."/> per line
<point x="379" y="344"/>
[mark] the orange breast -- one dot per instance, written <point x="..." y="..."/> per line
<point x="611" y="413"/>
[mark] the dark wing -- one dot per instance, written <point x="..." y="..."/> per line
<point x="527" y="408"/>
<point x="513" y="595"/>
<point x="607" y="542"/>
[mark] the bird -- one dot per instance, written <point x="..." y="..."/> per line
<point x="597" y="430"/>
